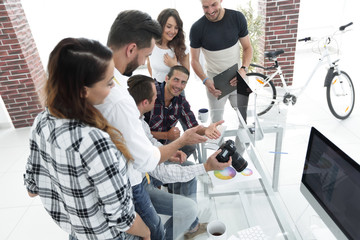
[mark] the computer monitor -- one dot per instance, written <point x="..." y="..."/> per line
<point x="331" y="184"/>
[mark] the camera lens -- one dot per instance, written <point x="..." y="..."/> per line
<point x="238" y="162"/>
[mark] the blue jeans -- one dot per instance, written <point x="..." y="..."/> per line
<point x="182" y="210"/>
<point x="146" y="210"/>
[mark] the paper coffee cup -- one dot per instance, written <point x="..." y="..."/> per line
<point x="216" y="230"/>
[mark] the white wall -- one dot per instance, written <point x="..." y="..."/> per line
<point x="51" y="21"/>
<point x="4" y="116"/>
<point x="320" y="18"/>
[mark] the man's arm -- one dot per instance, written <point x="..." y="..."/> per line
<point x="247" y="54"/>
<point x="167" y="151"/>
<point x="171" y="173"/>
<point x="189" y="137"/>
<point x="124" y="115"/>
<point x="32" y="194"/>
<point x="212" y="163"/>
<point x="172" y="134"/>
<point x="139" y="228"/>
<point x="186" y="62"/>
<point x="195" y="63"/>
<point x="211" y="131"/>
<point x="246" y="58"/>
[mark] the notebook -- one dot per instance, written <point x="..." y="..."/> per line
<point x="222" y="81"/>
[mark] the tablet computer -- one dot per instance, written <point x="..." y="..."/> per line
<point x="222" y="80"/>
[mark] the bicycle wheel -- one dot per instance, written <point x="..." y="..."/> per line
<point x="265" y="93"/>
<point x="340" y="95"/>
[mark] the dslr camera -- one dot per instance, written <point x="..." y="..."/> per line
<point x="228" y="149"/>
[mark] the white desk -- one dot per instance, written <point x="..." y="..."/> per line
<point x="248" y="138"/>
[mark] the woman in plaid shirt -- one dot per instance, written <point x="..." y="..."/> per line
<point x="77" y="160"/>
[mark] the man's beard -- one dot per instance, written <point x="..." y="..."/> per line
<point x="131" y="67"/>
<point x="217" y="17"/>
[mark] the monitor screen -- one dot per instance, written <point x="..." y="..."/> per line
<point x="333" y="180"/>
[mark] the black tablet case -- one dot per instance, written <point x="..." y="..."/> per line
<point x="222" y="80"/>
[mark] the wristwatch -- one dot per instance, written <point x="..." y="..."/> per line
<point x="245" y="68"/>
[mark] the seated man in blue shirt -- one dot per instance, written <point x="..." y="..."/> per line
<point x="170" y="107"/>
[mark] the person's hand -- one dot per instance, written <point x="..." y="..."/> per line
<point x="212" y="132"/>
<point x="173" y="133"/>
<point x="191" y="136"/>
<point x="146" y="238"/>
<point x="213" y="164"/>
<point x="148" y="235"/>
<point x="179" y="157"/>
<point x="169" y="61"/>
<point x="233" y="82"/>
<point x="210" y="86"/>
<point x="242" y="73"/>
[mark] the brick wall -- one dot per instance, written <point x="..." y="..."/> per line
<point x="21" y="71"/>
<point x="281" y="24"/>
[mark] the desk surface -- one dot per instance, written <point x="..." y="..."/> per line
<point x="282" y="213"/>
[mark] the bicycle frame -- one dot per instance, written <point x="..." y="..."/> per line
<point x="340" y="94"/>
<point x="325" y="55"/>
<point x="332" y="66"/>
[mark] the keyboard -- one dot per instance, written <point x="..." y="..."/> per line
<point x="252" y="233"/>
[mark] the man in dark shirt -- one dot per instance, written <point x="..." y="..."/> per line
<point x="170" y="107"/>
<point x="221" y="34"/>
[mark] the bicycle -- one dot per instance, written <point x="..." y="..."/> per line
<point x="340" y="93"/>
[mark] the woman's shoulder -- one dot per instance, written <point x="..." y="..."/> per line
<point x="95" y="138"/>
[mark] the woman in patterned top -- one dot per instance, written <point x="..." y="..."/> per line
<point x="76" y="163"/>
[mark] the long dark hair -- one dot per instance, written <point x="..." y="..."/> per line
<point x="178" y="42"/>
<point x="73" y="64"/>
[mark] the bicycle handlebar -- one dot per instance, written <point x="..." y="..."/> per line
<point x="342" y="28"/>
<point x="305" y="39"/>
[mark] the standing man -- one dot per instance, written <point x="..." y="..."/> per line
<point x="218" y="34"/>
<point x="132" y="38"/>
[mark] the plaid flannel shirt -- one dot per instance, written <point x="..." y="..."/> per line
<point x="162" y="119"/>
<point x="80" y="177"/>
